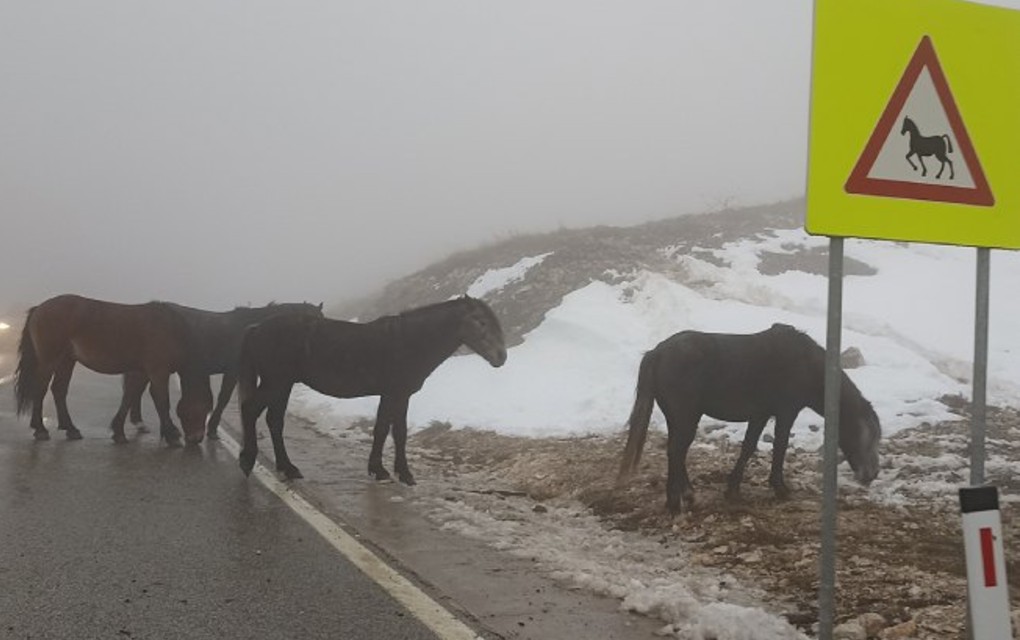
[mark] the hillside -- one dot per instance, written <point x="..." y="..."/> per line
<point x="575" y="258"/>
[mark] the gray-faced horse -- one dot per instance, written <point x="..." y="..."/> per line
<point x="922" y="146"/>
<point x="736" y="378"/>
<point x="390" y="357"/>
<point x="217" y="336"/>
<point x="107" y="337"/>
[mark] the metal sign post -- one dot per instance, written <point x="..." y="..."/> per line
<point x="978" y="407"/>
<point x="945" y="70"/>
<point x="833" y="387"/>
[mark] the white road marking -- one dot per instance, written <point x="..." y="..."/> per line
<point x="433" y="615"/>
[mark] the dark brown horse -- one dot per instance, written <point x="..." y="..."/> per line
<point x="112" y="338"/>
<point x="743" y="378"/>
<point x="217" y="336"/>
<point x="390" y="357"/>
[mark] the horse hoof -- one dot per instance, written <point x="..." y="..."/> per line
<point x="119" y="438"/>
<point x="213" y="435"/>
<point x="247" y="462"/>
<point x="73" y="434"/>
<point x="380" y="475"/>
<point x="407" y="479"/>
<point x="41" y="435"/>
<point x="291" y="473"/>
<point x="782" y="493"/>
<point x="173" y="443"/>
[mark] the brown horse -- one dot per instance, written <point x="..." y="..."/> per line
<point x="218" y="337"/>
<point x="109" y="338"/>
<point x="390" y="357"/>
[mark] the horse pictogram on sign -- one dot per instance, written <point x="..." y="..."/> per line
<point x="893" y="161"/>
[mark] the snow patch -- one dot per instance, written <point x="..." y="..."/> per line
<point x="496" y="279"/>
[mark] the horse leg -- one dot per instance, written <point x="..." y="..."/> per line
<point x="680" y="434"/>
<point x="379" y="433"/>
<point x="61" y="383"/>
<point x="226" y="390"/>
<point x="912" y="165"/>
<point x="784" y="424"/>
<point x="751" y="436"/>
<point x="159" y="389"/>
<point x="400" y="441"/>
<point x="42" y="383"/>
<point x="137" y="387"/>
<point x="133" y="385"/>
<point x="924" y="169"/>
<point x="274" y="418"/>
<point x="943" y="159"/>
<point x="251" y="408"/>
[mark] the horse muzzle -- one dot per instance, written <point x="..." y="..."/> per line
<point x="866" y="472"/>
<point x="498" y="358"/>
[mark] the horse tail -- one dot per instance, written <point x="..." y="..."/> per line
<point x="26" y="377"/>
<point x="640" y="415"/>
<point x="949" y="143"/>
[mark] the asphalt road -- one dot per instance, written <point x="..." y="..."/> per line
<point x="140" y="541"/>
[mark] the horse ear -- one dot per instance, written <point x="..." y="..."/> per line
<point x="320" y="306"/>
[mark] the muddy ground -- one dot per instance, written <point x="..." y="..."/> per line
<point x="899" y="544"/>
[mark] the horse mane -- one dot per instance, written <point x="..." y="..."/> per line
<point x="790" y="330"/>
<point x="428" y="308"/>
<point x="848" y="388"/>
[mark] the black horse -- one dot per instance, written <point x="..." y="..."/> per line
<point x="922" y="146"/>
<point x="737" y="378"/>
<point x="217" y="336"/>
<point x="390" y="357"/>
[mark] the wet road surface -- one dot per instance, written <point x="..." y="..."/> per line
<point x="503" y="593"/>
<point x="140" y="541"/>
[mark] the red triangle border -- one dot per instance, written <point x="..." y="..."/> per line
<point x="860" y="183"/>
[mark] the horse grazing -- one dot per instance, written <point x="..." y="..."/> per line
<point x="389" y="357"/>
<point x="735" y="377"/>
<point x="110" y="338"/>
<point x="922" y="146"/>
<point x="217" y="336"/>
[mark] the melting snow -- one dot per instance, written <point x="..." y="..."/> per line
<point x="575" y="374"/>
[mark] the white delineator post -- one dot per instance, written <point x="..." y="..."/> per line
<point x="987" y="589"/>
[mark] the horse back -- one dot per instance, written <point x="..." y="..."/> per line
<point x="351" y="360"/>
<point x="215" y="336"/>
<point x="735" y="377"/>
<point x="109" y="337"/>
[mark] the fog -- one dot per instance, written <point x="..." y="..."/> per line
<point x="219" y="153"/>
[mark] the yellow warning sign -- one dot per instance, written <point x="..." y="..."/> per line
<point x="915" y="132"/>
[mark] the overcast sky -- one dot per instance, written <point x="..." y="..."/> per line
<point x="218" y="153"/>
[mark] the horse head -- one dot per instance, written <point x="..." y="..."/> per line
<point x="859" y="435"/>
<point x="908" y="126"/>
<point x="481" y="332"/>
